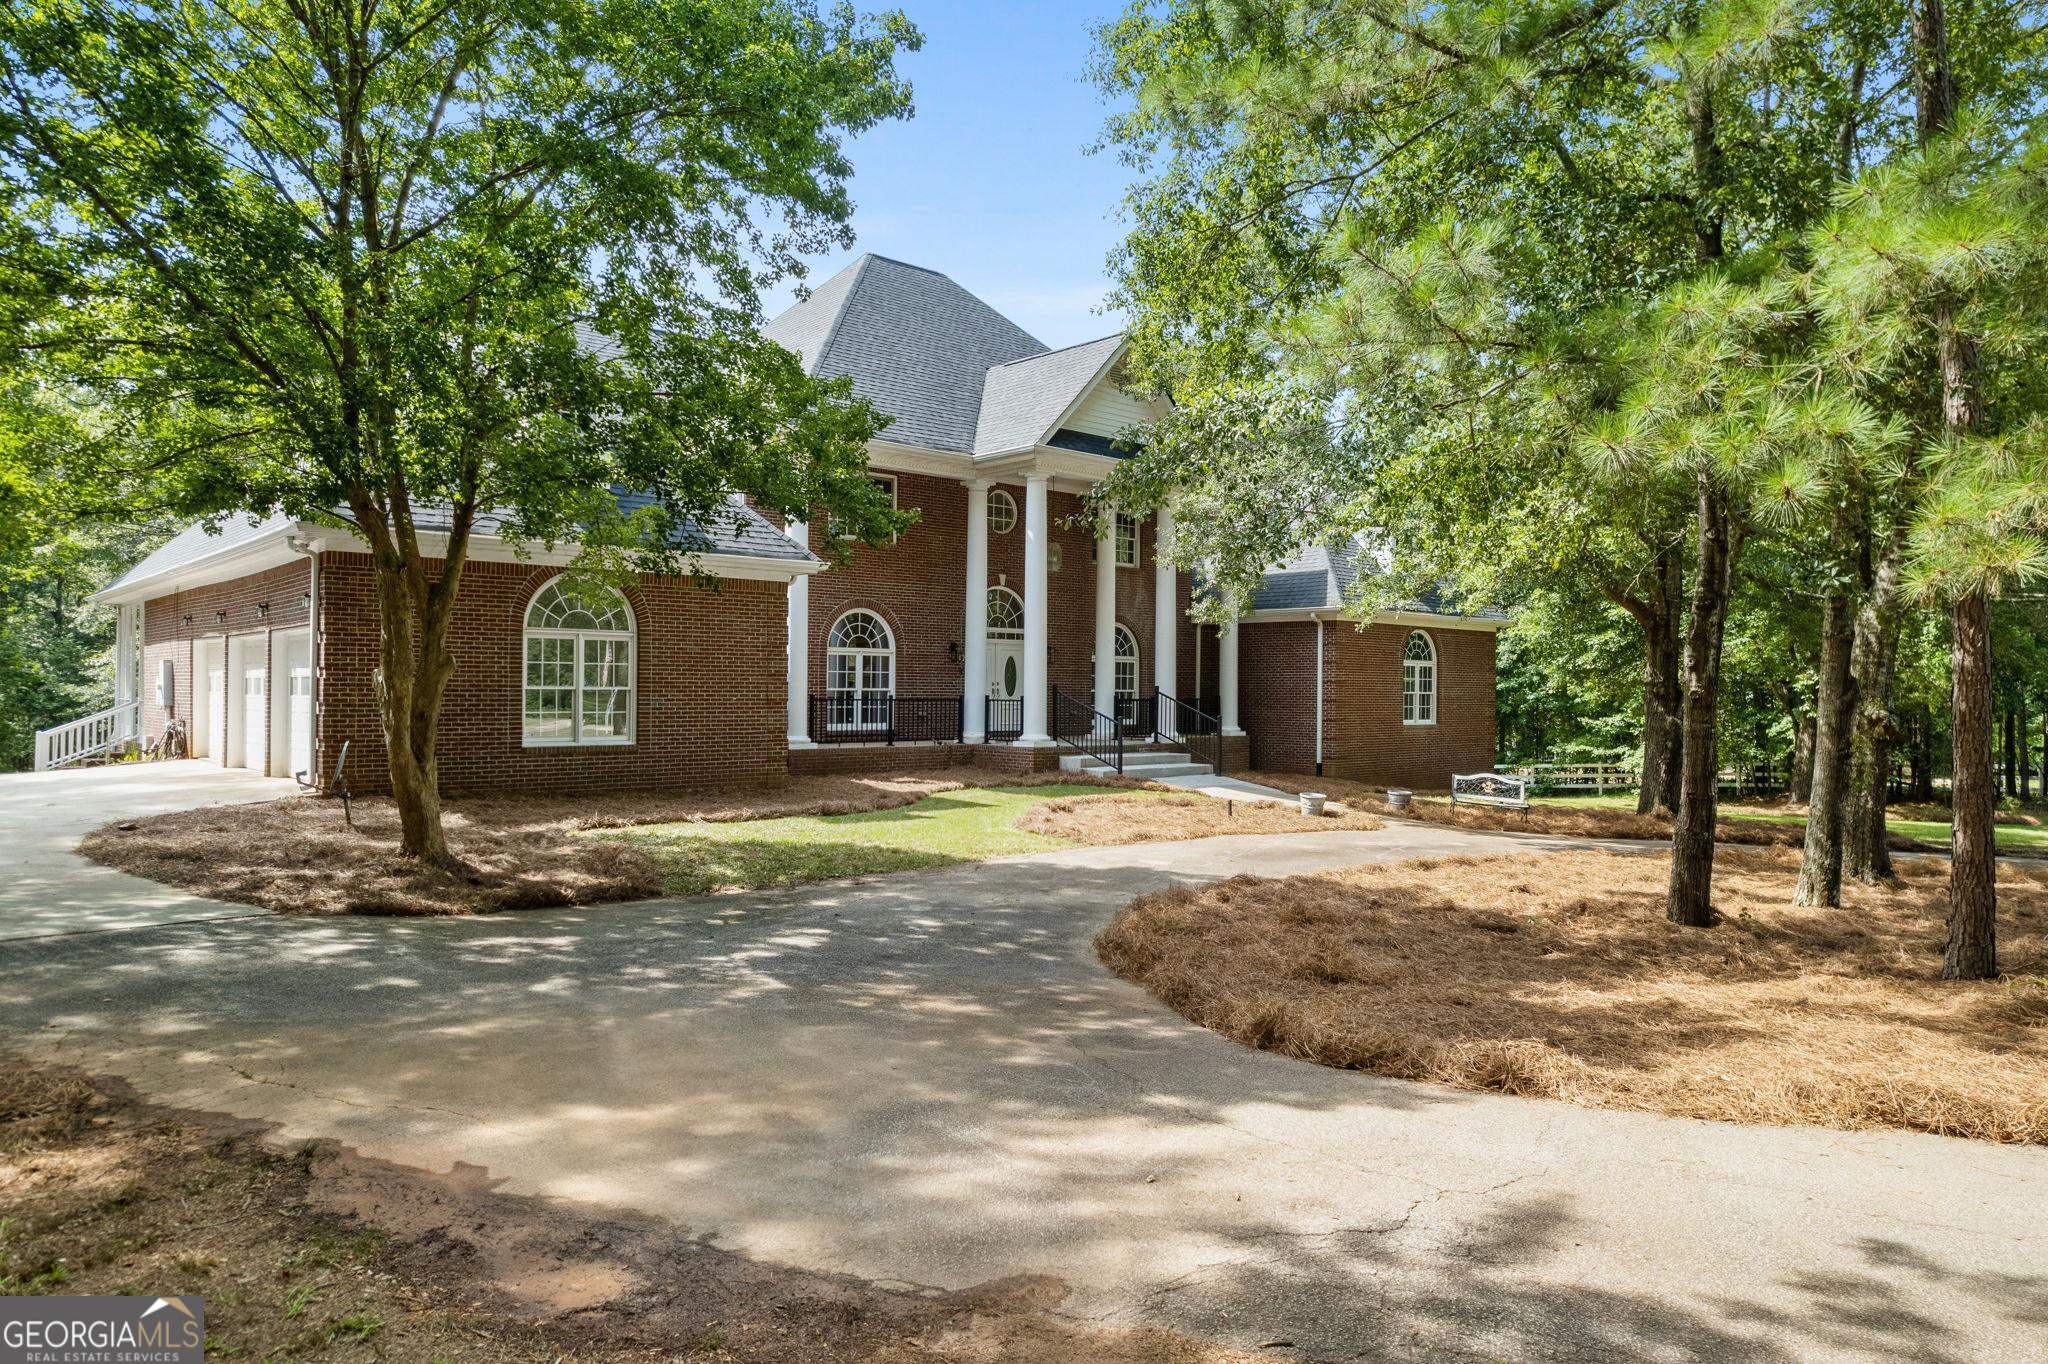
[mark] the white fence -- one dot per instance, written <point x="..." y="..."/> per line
<point x="88" y="736"/>
<point x="1557" y="777"/>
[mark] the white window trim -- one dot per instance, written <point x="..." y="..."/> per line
<point x="1001" y="632"/>
<point x="857" y="654"/>
<point x="1408" y="664"/>
<point x="1135" y="557"/>
<point x="631" y="637"/>
<point x="1009" y="502"/>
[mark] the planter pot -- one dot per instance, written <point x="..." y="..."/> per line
<point x="1312" y="802"/>
<point x="1398" y="800"/>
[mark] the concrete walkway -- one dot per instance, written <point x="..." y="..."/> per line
<point x="928" y="1078"/>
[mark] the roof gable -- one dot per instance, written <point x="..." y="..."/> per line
<point x="1023" y="402"/>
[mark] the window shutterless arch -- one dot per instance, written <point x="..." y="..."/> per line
<point x="578" y="687"/>
<point x="1418" y="680"/>
<point x="860" y="671"/>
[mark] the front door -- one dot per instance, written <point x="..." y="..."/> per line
<point x="1006" y="669"/>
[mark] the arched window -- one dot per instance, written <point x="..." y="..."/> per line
<point x="860" y="672"/>
<point x="579" y="666"/>
<point x="1002" y="512"/>
<point x="1418" y="680"/>
<point x="1005" y="614"/>
<point x="1126" y="664"/>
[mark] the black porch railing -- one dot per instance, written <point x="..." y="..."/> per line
<point x="1079" y="725"/>
<point x="864" y="718"/>
<point x="1002" y="718"/>
<point x="1191" y="727"/>
<point x="1138" y="716"/>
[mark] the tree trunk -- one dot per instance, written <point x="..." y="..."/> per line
<point x="1692" y="831"/>
<point x="1873" y="662"/>
<point x="1800" y="787"/>
<point x="2026" y="768"/>
<point x="1820" y="870"/>
<point x="1663" y="726"/>
<point x="1972" y="952"/>
<point x="416" y="668"/>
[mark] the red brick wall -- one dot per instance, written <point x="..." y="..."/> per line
<point x="1365" y="739"/>
<point x="919" y="586"/>
<point x="842" y="759"/>
<point x="708" y="672"/>
<point x="1276" y="690"/>
<point x="172" y="625"/>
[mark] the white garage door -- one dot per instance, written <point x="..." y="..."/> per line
<point x="298" y="672"/>
<point x="255" y="715"/>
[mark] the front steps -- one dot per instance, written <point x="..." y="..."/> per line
<point x="1145" y="765"/>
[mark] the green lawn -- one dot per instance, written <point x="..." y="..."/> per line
<point x="2029" y="838"/>
<point x="938" y="831"/>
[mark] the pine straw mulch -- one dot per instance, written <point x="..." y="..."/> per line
<point x="1579" y="821"/>
<point x="1104" y="821"/>
<point x="321" y="1256"/>
<point x="1557" y="975"/>
<point x="298" y="856"/>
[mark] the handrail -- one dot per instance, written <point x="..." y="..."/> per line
<point x="88" y="735"/>
<point x="1198" y="731"/>
<point x="1080" y="726"/>
<point x="1002" y="717"/>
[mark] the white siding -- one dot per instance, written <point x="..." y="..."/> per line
<point x="1109" y="411"/>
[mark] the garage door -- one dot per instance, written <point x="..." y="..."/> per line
<point x="255" y="689"/>
<point x="298" y="672"/>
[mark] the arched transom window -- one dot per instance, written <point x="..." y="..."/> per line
<point x="579" y="666"/>
<point x="1418" y="680"/>
<point x="860" y="671"/>
<point x="1005" y="614"/>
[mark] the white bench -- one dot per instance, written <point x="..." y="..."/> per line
<point x="1491" y="788"/>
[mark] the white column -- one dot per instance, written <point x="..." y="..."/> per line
<point x="974" y="680"/>
<point x="1165" y="613"/>
<point x="1105" y="617"/>
<point x="1226" y="676"/>
<point x="1034" y="612"/>
<point x="798" y="648"/>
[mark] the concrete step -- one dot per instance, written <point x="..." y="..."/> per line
<point x="1147" y="765"/>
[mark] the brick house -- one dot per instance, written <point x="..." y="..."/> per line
<point x="994" y="630"/>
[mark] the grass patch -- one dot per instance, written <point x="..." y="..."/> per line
<point x="1556" y="975"/>
<point x="937" y="831"/>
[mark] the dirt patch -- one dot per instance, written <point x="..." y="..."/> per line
<point x="1557" y="975"/>
<point x="1109" y="820"/>
<point x="318" y="1254"/>
<point x="301" y="857"/>
<point x="1576" y="821"/>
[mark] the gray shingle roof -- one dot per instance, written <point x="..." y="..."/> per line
<point x="915" y="344"/>
<point x="1021" y="399"/>
<point x="1320" y="578"/>
<point x="196" y="542"/>
<point x="738" y="529"/>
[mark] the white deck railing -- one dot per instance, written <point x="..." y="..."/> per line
<point x="88" y="736"/>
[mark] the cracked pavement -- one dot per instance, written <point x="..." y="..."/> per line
<point x="927" y="1079"/>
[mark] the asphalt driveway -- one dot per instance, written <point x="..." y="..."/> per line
<point x="927" y="1078"/>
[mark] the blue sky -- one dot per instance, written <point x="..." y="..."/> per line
<point x="990" y="182"/>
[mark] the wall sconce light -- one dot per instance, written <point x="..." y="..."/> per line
<point x="953" y="650"/>
<point x="186" y="619"/>
<point x="263" y="610"/>
<point x="219" y="617"/>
